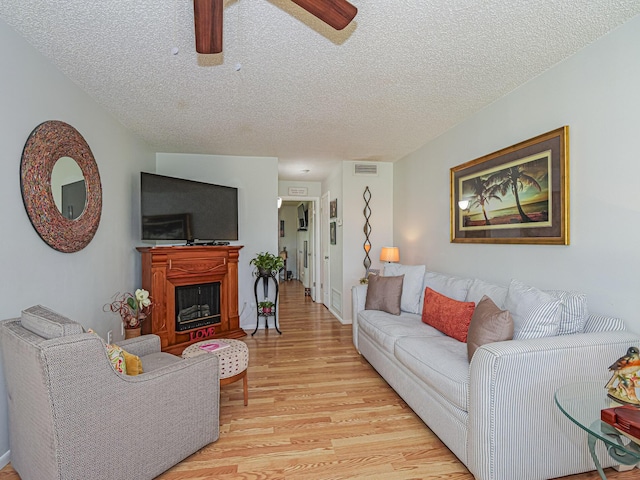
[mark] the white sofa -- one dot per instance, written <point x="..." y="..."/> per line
<point x="497" y="412"/>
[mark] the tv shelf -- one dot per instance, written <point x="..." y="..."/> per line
<point x="165" y="268"/>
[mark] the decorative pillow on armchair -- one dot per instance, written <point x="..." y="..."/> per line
<point x="132" y="362"/>
<point x="384" y="293"/>
<point x="116" y="357"/>
<point x="121" y="360"/>
<point x="450" y="316"/>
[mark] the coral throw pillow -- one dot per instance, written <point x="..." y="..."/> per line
<point x="450" y="316"/>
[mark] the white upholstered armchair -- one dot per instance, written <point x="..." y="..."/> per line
<point x="71" y="416"/>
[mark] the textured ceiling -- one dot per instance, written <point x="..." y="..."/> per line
<point x="288" y="86"/>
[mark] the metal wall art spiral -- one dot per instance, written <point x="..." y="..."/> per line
<point x="367" y="230"/>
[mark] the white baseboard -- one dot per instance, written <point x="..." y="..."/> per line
<point x="5" y="458"/>
<point x="337" y="315"/>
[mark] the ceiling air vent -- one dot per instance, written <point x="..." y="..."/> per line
<point x="369" y="169"/>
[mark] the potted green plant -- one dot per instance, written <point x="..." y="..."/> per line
<point x="267" y="264"/>
<point x="266" y="306"/>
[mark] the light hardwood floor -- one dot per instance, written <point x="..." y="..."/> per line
<point x="317" y="410"/>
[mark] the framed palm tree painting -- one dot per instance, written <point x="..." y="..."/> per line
<point x="519" y="194"/>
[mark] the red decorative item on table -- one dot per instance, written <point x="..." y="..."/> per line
<point x="625" y="419"/>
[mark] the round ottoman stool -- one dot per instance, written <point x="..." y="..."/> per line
<point x="233" y="360"/>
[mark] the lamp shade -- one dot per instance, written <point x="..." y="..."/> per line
<point x="389" y="254"/>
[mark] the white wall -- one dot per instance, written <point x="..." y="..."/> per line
<point x="76" y="284"/>
<point x="313" y="188"/>
<point x="257" y="208"/>
<point x="352" y="230"/>
<point x="347" y="256"/>
<point x="596" y="93"/>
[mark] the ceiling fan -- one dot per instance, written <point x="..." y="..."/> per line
<point x="208" y="19"/>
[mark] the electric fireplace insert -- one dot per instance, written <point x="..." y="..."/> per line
<point x="197" y="306"/>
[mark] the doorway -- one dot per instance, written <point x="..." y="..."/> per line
<point x="298" y="228"/>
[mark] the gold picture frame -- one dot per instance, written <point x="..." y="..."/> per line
<point x="519" y="194"/>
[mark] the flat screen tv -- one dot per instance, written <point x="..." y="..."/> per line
<point x="174" y="209"/>
<point x="303" y="217"/>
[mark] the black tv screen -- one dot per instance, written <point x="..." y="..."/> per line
<point x="176" y="209"/>
<point x="302" y="217"/>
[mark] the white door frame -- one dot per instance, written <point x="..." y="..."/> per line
<point x="325" y="261"/>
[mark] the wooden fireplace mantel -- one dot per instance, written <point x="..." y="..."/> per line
<point x="165" y="268"/>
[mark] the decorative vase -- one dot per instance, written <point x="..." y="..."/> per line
<point x="131" y="333"/>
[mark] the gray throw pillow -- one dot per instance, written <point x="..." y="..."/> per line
<point x="412" y="290"/>
<point x="573" y="311"/>
<point x="384" y="294"/>
<point x="48" y="324"/>
<point x="535" y="314"/>
<point x="488" y="324"/>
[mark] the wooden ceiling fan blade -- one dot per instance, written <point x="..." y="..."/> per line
<point x="336" y="13"/>
<point x="207" y="16"/>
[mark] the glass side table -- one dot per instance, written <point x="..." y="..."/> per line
<point x="581" y="403"/>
